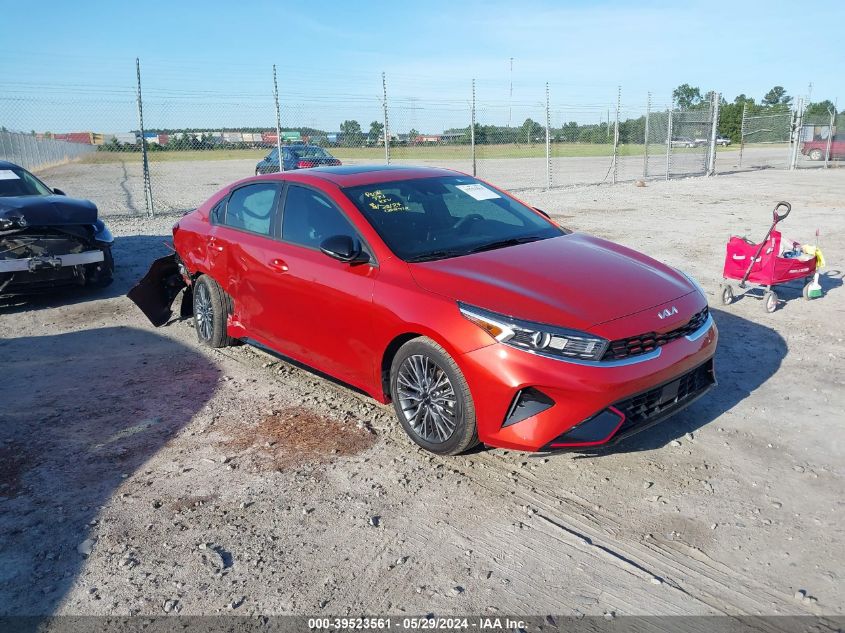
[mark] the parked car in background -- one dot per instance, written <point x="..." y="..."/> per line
<point x="720" y="140"/>
<point x="295" y="157"/>
<point x="48" y="239"/>
<point x="477" y="316"/>
<point x="684" y="141"/>
<point x="816" y="149"/>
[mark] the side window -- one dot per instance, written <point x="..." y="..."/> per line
<point x="216" y="213"/>
<point x="252" y="208"/>
<point x="309" y="218"/>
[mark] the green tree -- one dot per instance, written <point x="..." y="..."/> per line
<point x="351" y="131"/>
<point x="686" y="96"/>
<point x="412" y="136"/>
<point x="531" y="131"/>
<point x="822" y="108"/>
<point x="376" y="131"/>
<point x="777" y="96"/>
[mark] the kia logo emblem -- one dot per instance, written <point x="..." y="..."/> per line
<point x="663" y="314"/>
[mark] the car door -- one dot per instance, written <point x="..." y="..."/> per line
<point x="244" y="242"/>
<point x="323" y="315"/>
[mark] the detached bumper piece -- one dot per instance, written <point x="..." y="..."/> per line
<point x="639" y="412"/>
<point x="155" y="293"/>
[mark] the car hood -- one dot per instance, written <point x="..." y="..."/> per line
<point x="575" y="280"/>
<point x="48" y="210"/>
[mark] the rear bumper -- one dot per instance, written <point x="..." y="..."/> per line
<point x="595" y="404"/>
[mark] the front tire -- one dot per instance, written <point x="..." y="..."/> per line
<point x="770" y="301"/>
<point x="815" y="154"/>
<point x="727" y="294"/>
<point x="432" y="399"/>
<point x="212" y="307"/>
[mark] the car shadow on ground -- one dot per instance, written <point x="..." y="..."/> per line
<point x="133" y="255"/>
<point x="84" y="412"/>
<point x="748" y="354"/>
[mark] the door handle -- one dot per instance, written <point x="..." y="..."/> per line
<point x="212" y="242"/>
<point x="278" y="265"/>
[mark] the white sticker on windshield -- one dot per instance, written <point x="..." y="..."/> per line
<point x="479" y="192"/>
<point x="8" y="174"/>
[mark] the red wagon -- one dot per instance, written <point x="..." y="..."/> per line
<point x="763" y="264"/>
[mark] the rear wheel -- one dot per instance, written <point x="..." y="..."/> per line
<point x="770" y="301"/>
<point x="727" y="294"/>
<point x="212" y="307"/>
<point x="816" y="154"/>
<point x="432" y="399"/>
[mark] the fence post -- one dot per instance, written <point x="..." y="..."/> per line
<point x="472" y="128"/>
<point x="645" y="136"/>
<point x="797" y="131"/>
<point x="711" y="163"/>
<point x="548" y="142"/>
<point x="742" y="134"/>
<point x="148" y="191"/>
<point x="386" y="128"/>
<point x="616" y="134"/>
<point x="278" y="118"/>
<point x="829" y="137"/>
<point x="669" y="142"/>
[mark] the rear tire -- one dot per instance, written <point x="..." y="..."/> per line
<point x="432" y="399"/>
<point x="770" y="301"/>
<point x="727" y="294"/>
<point x="212" y="308"/>
<point x="815" y="154"/>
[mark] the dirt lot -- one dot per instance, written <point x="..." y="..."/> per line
<point x="179" y="185"/>
<point x="140" y="474"/>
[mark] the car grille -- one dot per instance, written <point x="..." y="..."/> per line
<point x="663" y="400"/>
<point x="644" y="343"/>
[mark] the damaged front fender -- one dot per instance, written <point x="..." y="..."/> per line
<point x="155" y="293"/>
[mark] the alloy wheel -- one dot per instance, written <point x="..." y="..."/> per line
<point x="203" y="311"/>
<point x="427" y="399"/>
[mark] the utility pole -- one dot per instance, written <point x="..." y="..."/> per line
<point x="472" y="128"/>
<point x="278" y="118"/>
<point x="386" y="129"/>
<point x="548" y="142"/>
<point x="645" y="136"/>
<point x="510" y="96"/>
<point x="148" y="190"/>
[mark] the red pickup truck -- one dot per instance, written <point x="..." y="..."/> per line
<point x="816" y="149"/>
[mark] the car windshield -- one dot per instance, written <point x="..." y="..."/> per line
<point x="435" y="218"/>
<point x="15" y="181"/>
<point x="309" y="152"/>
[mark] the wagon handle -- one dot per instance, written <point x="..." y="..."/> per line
<point x="775" y="219"/>
<point x="776" y="216"/>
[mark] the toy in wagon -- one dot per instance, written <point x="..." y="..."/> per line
<point x="772" y="262"/>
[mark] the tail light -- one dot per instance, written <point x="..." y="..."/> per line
<point x="304" y="164"/>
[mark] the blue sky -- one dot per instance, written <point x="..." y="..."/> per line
<point x="208" y="64"/>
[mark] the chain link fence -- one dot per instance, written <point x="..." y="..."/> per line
<point x="168" y="147"/>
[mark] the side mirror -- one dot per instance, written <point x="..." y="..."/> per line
<point x="541" y="212"/>
<point x="59" y="192"/>
<point x="345" y="249"/>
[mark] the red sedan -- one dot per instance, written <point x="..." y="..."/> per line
<point x="478" y="317"/>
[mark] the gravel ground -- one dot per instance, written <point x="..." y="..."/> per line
<point x="141" y="474"/>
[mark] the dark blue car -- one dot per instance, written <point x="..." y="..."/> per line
<point x="295" y="157"/>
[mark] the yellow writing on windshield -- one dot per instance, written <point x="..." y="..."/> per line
<point x="380" y="201"/>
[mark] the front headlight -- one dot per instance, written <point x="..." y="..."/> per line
<point x="548" y="340"/>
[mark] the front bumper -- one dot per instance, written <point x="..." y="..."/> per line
<point x="592" y="404"/>
<point x="51" y="262"/>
